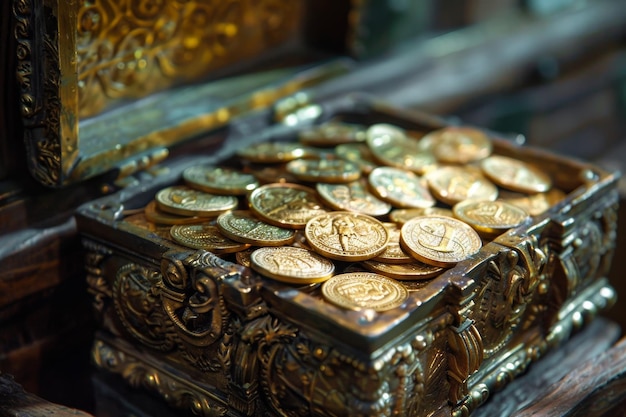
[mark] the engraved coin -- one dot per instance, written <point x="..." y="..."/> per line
<point x="490" y="218"/>
<point x="285" y="205"/>
<point x="391" y="146"/>
<point x="205" y="236"/>
<point x="401" y="216"/>
<point x="400" y="188"/>
<point x="352" y="197"/>
<point x="364" y="290"/>
<point x="155" y="215"/>
<point x="535" y="204"/>
<point x="242" y="226"/>
<point x="357" y="153"/>
<point x="334" y="171"/>
<point x="415" y="270"/>
<point x="346" y="236"/>
<point x="273" y="152"/>
<point x="515" y="175"/>
<point x="453" y="184"/>
<point x="219" y="180"/>
<point x="332" y="134"/>
<point x="291" y="265"/>
<point x="393" y="253"/>
<point x="439" y="241"/>
<point x="459" y="144"/>
<point x="185" y="201"/>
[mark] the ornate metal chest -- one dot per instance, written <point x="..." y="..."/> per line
<point x="215" y="338"/>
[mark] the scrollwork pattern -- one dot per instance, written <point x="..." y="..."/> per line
<point x="299" y="376"/>
<point x="506" y="291"/>
<point x="38" y="75"/>
<point x="465" y="357"/>
<point x="97" y="285"/>
<point x="139" y="308"/>
<point x="129" y="48"/>
<point x="177" y="392"/>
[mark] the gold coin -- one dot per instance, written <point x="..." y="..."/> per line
<point x="412" y="271"/>
<point x="273" y="174"/>
<point x="332" y="134"/>
<point x="364" y="290"/>
<point x="291" y="265"/>
<point x="205" y="236"/>
<point x="393" y="253"/>
<point x="140" y="220"/>
<point x="535" y="204"/>
<point x="401" y="216"/>
<point x="285" y="205"/>
<point x="357" y="153"/>
<point x="515" y="175"/>
<point x="242" y="226"/>
<point x="439" y="241"/>
<point x="459" y="144"/>
<point x="155" y="215"/>
<point x="453" y="184"/>
<point x="352" y="197"/>
<point x="185" y="201"/>
<point x="490" y="218"/>
<point x="400" y="188"/>
<point x="334" y="171"/>
<point x="273" y="152"/>
<point x="346" y="236"/>
<point x="219" y="180"/>
<point x="391" y="146"/>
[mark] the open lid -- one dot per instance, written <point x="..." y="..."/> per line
<point x="111" y="84"/>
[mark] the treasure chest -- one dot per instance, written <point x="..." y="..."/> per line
<point x="214" y="330"/>
<point x="222" y="331"/>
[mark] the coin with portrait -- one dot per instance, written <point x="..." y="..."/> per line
<point x="285" y="204"/>
<point x="364" y="290"/>
<point x="291" y="265"/>
<point x="346" y="236"/>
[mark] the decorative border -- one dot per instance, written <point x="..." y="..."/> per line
<point x="38" y="75"/>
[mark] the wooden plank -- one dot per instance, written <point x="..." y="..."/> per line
<point x="15" y="402"/>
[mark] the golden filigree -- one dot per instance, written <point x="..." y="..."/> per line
<point x="465" y="358"/>
<point x="128" y="49"/>
<point x="137" y="372"/>
<point x="38" y="76"/>
<point x="139" y="307"/>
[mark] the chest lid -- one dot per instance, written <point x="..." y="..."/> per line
<point x="111" y="84"/>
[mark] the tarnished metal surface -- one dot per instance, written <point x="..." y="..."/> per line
<point x="217" y="339"/>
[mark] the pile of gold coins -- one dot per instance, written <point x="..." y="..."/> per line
<point x="371" y="212"/>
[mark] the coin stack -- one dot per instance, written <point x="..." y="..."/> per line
<point x="372" y="212"/>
